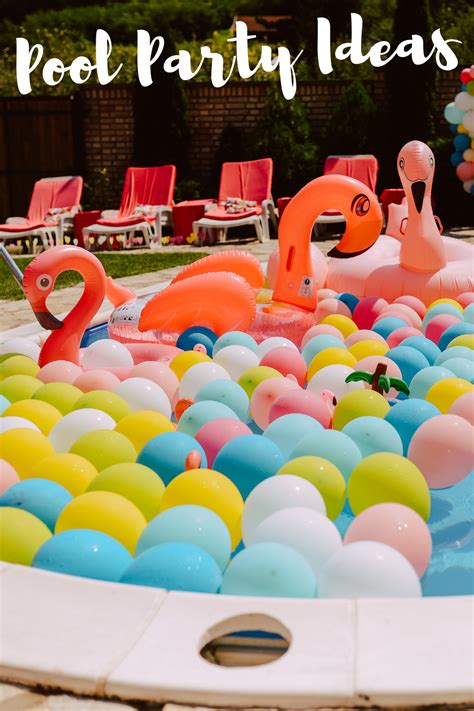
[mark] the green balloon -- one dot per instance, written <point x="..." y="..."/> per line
<point x="470" y="87"/>
<point x="62" y="395"/>
<point x="103" y="448"/>
<point x="21" y="535"/>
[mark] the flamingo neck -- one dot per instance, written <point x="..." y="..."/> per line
<point x="65" y="343"/>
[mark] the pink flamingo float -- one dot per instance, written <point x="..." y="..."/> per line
<point x="420" y="261"/>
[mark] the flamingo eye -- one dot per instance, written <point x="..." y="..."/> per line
<point x="44" y="282"/>
<point x="360" y="205"/>
<point x="431" y="161"/>
<point x="401" y="163"/>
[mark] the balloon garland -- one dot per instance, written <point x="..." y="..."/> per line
<point x="460" y="114"/>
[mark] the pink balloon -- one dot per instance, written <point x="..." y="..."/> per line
<point x="326" y="294"/>
<point x="8" y="476"/>
<point x="328" y="307"/>
<point x="265" y="394"/>
<point x="288" y="362"/>
<point x="59" y="371"/>
<point x="397" y="526"/>
<point x="304" y="402"/>
<point x="438" y="325"/>
<point x="321" y="329"/>
<point x="404" y="312"/>
<point x="159" y="373"/>
<point x="466" y="298"/>
<point x="465" y="171"/>
<point x="443" y="449"/>
<point x="464" y="407"/>
<point x="369" y="364"/>
<point x="364" y="335"/>
<point x="396" y="337"/>
<point x="414" y="302"/>
<point x="96" y="380"/>
<point x="215" y="434"/>
<point x="367" y="311"/>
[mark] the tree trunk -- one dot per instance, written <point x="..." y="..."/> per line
<point x="381" y="369"/>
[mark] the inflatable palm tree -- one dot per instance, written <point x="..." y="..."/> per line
<point x="379" y="381"/>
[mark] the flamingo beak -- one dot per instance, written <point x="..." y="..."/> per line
<point x="45" y="318"/>
<point x="418" y="189"/>
<point x="364" y="224"/>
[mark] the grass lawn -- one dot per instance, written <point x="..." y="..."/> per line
<point x="115" y="265"/>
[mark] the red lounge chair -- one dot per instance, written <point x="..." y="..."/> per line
<point x="146" y="206"/>
<point x="54" y="201"/>
<point x="244" y="199"/>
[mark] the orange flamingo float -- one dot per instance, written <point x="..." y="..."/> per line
<point x="420" y="261"/>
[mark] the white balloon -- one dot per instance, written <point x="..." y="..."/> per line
<point x="236" y="360"/>
<point x="20" y="346"/>
<point x="144" y="394"/>
<point x="307" y="531"/>
<point x="76" y="423"/>
<point x="106" y="353"/>
<point x="464" y="101"/>
<point x="467" y="185"/>
<point x="15" y="423"/>
<point x="276" y="493"/>
<point x="200" y="374"/>
<point x="468" y="121"/>
<point x="332" y="377"/>
<point x="269" y="344"/>
<point x="368" y="569"/>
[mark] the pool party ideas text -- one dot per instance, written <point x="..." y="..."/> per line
<point x="150" y="50"/>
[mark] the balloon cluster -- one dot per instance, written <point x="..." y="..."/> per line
<point x="460" y="114"/>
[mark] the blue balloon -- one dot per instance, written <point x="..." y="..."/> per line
<point x="269" y="570"/>
<point x="427" y="377"/>
<point x="372" y="435"/>
<point x="234" y="338"/>
<point x="86" y="553"/>
<point x="461" y="142"/>
<point x="349" y="300"/>
<point x="387" y="325"/>
<point x="229" y="393"/>
<point x="454" y="128"/>
<point x="319" y="343"/>
<point x="456" y="159"/>
<point x="43" y="498"/>
<point x="202" y="412"/>
<point x="457" y="329"/>
<point x="197" y="335"/>
<point x="290" y="429"/>
<point x="189" y="524"/>
<point x="468" y="313"/>
<point x="454" y="352"/>
<point x="462" y="368"/>
<point x="4" y="403"/>
<point x="332" y="445"/>
<point x="429" y="349"/>
<point x="247" y="460"/>
<point x="408" y="415"/>
<point x="409" y="360"/>
<point x="175" y="566"/>
<point x="437" y="311"/>
<point x="166" y="454"/>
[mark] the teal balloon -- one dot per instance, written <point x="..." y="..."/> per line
<point x="427" y="377"/>
<point x="408" y="415"/>
<point x="462" y="368"/>
<point x="468" y="313"/>
<point x="234" y="338"/>
<point x="189" y="524"/>
<point x="438" y="310"/>
<point x="409" y="360"/>
<point x="247" y="460"/>
<point x="429" y="349"/>
<point x="332" y="445"/>
<point x="290" y="429"/>
<point x="202" y="412"/>
<point x="175" y="566"/>
<point x="454" y="352"/>
<point x="372" y="435"/>
<point x="85" y="553"/>
<point x="227" y="393"/>
<point x="452" y="114"/>
<point x="457" y="329"/>
<point x="387" y="325"/>
<point x="461" y="142"/>
<point x="319" y="343"/>
<point x="269" y="570"/>
<point x="166" y="454"/>
<point x="456" y="159"/>
<point x="43" y="498"/>
<point x="4" y="403"/>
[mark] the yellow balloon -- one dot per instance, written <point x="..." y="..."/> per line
<point x="445" y="392"/>
<point x="445" y="301"/>
<point x="461" y="128"/>
<point x="359" y="403"/>
<point x="466" y="340"/>
<point x="330" y="356"/>
<point x="106" y="401"/>
<point x="141" y="426"/>
<point x="19" y="387"/>
<point x="23" y="449"/>
<point x="264" y="296"/>
<point x="18" y="365"/>
<point x="369" y="347"/>
<point x="205" y="487"/>
<point x="325" y="476"/>
<point x="104" y="448"/>
<point x="256" y="375"/>
<point x="137" y="483"/>
<point x="70" y="470"/>
<point x="61" y="395"/>
<point x="104" y="511"/>
<point x="42" y="414"/>
<point x="183" y="361"/>
<point x="343" y="323"/>
<point x="21" y="535"/>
